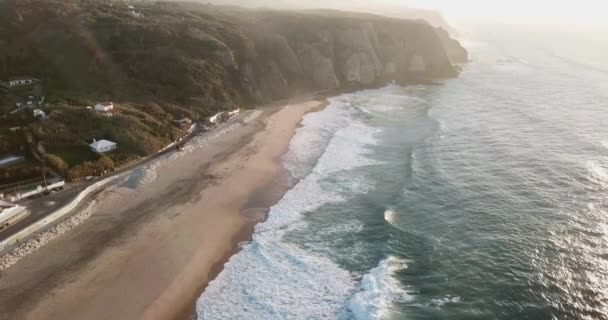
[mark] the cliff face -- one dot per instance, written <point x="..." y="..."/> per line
<point x="209" y="57"/>
<point x="323" y="51"/>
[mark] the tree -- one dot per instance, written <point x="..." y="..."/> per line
<point x="56" y="162"/>
<point x="105" y="163"/>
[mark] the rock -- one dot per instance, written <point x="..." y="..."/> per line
<point x="39" y="240"/>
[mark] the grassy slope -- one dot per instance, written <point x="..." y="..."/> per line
<point x="177" y="59"/>
<point x="87" y="52"/>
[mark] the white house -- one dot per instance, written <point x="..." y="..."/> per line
<point x="104" y="107"/>
<point x="39" y="113"/>
<point x="101" y="146"/>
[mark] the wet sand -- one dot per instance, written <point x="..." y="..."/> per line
<point x="147" y="253"/>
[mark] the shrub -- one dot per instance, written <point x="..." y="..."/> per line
<point x="56" y="162"/>
<point x="105" y="163"/>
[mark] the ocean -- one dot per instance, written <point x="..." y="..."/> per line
<point x="483" y="197"/>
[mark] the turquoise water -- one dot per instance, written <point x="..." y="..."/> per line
<point x="484" y="197"/>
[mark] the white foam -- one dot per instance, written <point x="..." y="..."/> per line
<point x="312" y="138"/>
<point x="272" y="278"/>
<point x="379" y="290"/>
<point x="390" y="216"/>
<point x="597" y="173"/>
<point x="351" y="226"/>
<point x="439" y="302"/>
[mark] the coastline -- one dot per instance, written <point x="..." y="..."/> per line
<point x="151" y="251"/>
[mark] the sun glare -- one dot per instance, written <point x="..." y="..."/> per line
<point x="542" y="11"/>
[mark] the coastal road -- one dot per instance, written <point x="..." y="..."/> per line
<point x="41" y="207"/>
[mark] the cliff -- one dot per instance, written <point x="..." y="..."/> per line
<point x="160" y="61"/>
<point x="209" y="56"/>
<point x="286" y="54"/>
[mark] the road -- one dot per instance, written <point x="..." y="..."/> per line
<point x="41" y="207"/>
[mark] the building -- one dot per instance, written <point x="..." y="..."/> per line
<point x="39" y="113"/>
<point x="219" y="117"/>
<point x="102" y="146"/>
<point x="10" y="213"/>
<point x="22" y="81"/>
<point x="183" y="122"/>
<point x="104" y="107"/>
<point x="10" y="161"/>
<point x="234" y="113"/>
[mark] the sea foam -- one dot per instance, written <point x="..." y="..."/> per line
<point x="379" y="290"/>
<point x="272" y="278"/>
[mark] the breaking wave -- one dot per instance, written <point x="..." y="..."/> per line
<point x="379" y="290"/>
<point x="272" y="278"/>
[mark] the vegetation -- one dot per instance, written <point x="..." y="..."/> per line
<point x="29" y="170"/>
<point x="165" y="61"/>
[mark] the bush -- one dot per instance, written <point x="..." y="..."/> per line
<point x="105" y="163"/>
<point x="20" y="173"/>
<point x="90" y="168"/>
<point x="56" y="163"/>
<point x="82" y="170"/>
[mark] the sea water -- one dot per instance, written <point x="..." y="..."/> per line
<point x="485" y="197"/>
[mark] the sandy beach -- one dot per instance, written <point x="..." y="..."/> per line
<point x="148" y="252"/>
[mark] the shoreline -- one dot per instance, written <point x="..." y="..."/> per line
<point x="100" y="266"/>
<point x="261" y="199"/>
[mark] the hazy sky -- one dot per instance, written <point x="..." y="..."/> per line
<point x="548" y="12"/>
<point x="575" y="11"/>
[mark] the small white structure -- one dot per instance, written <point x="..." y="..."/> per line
<point x="58" y="185"/>
<point x="219" y="117"/>
<point x="101" y="146"/>
<point x="19" y="82"/>
<point x="183" y="122"/>
<point x="39" y="113"/>
<point x="234" y="113"/>
<point x="10" y="160"/>
<point x="10" y="213"/>
<point x="104" y="107"/>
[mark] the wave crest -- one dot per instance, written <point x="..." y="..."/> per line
<point x="379" y="290"/>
